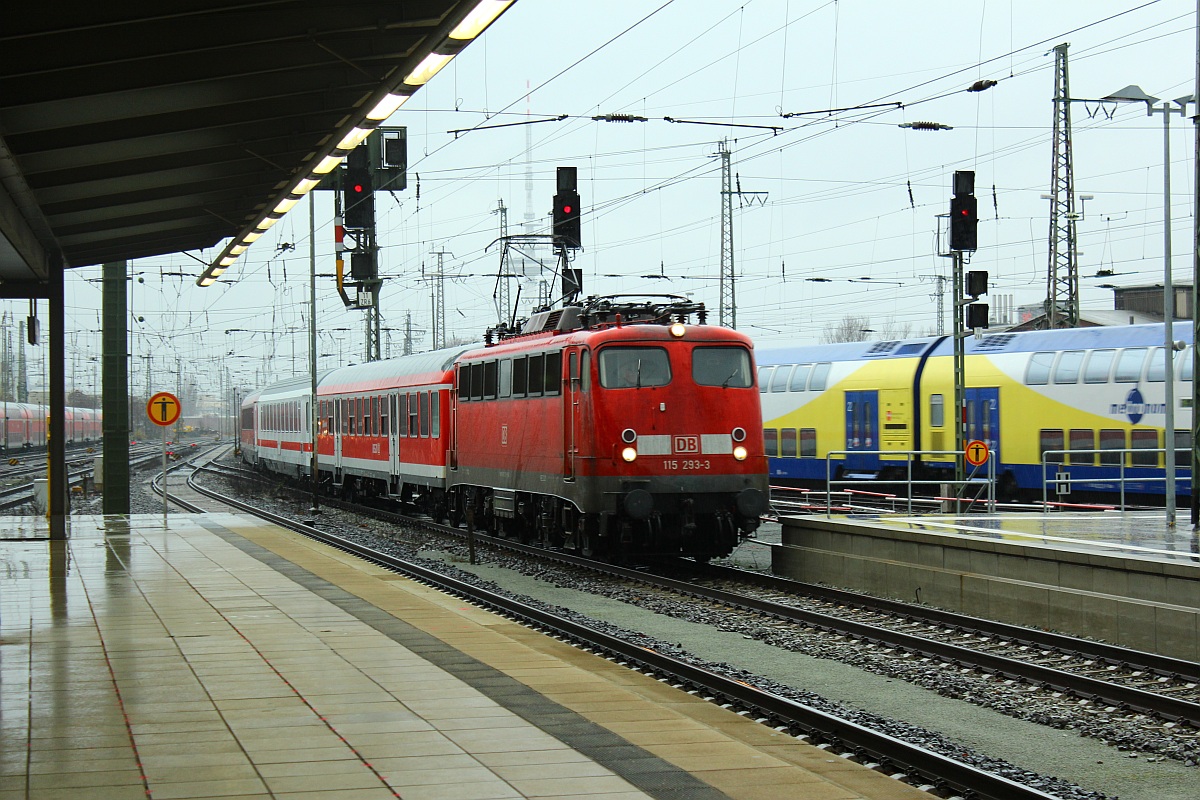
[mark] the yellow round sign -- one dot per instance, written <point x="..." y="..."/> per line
<point x="977" y="452"/>
<point x="163" y="409"/>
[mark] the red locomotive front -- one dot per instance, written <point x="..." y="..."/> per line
<point x="614" y="428"/>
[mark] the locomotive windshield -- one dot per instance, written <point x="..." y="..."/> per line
<point x="727" y="367"/>
<point x="634" y="367"/>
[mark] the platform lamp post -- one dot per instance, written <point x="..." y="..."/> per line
<point x="1134" y="94"/>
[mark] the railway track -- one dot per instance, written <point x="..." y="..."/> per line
<point x="934" y="770"/>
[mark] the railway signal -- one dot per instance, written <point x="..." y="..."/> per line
<point x="358" y="190"/>
<point x="567" y="230"/>
<point x="964" y="213"/>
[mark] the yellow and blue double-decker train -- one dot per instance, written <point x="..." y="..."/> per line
<point x="865" y="406"/>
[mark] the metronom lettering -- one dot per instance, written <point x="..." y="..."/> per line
<point x="1137" y="408"/>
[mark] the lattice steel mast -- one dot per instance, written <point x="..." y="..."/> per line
<point x="1062" y="287"/>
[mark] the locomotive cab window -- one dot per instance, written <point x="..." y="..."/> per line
<point x="634" y="367"/>
<point x="728" y="367"/>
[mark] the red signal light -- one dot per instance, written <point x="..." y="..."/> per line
<point x="358" y="188"/>
<point x="566" y="209"/>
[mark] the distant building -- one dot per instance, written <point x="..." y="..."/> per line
<point x="1132" y="305"/>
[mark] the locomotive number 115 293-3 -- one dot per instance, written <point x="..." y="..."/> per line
<point x="686" y="463"/>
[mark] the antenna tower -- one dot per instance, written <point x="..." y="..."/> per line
<point x="1062" y="286"/>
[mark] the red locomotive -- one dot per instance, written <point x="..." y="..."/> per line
<point x="613" y="428"/>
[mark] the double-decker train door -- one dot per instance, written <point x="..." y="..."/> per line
<point x="862" y="430"/>
<point x="983" y="419"/>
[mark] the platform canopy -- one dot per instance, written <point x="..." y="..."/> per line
<point x="137" y="128"/>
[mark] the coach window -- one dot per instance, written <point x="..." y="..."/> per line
<point x="1082" y="439"/>
<point x="820" y="374"/>
<point x="520" y="376"/>
<point x="799" y="380"/>
<point x="1050" y="439"/>
<point x="779" y="381"/>
<point x="1099" y="365"/>
<point x="505" y="377"/>
<point x="787" y="442"/>
<point x="1038" y="371"/>
<point x="1112" y="440"/>
<point x="764" y="378"/>
<point x="536" y="377"/>
<point x="342" y="414"/>
<point x="435" y="415"/>
<point x="1067" y="370"/>
<point x="383" y="414"/>
<point x="424" y="414"/>
<point x="402" y="415"/>
<point x="412" y="415"/>
<point x="1145" y="441"/>
<point x="770" y="442"/>
<point x="553" y="383"/>
<point x="490" y="380"/>
<point x="808" y="442"/>
<point x="727" y="367"/>
<point x="937" y="411"/>
<point x="1129" y="365"/>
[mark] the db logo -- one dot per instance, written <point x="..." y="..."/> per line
<point x="685" y="444"/>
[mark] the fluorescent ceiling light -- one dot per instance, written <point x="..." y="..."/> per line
<point x="427" y="69"/>
<point x="305" y="186"/>
<point x="328" y="164"/>
<point x="354" y="138"/>
<point x="475" y="22"/>
<point x="208" y="280"/>
<point x="285" y="205"/>
<point x="252" y="236"/>
<point x="387" y="106"/>
<point x="265" y="224"/>
<point x="238" y="249"/>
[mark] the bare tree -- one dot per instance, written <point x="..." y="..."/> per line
<point x="853" y="328"/>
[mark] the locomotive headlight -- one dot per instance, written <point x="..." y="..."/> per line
<point x="630" y="454"/>
<point x="740" y="453"/>
<point x="678" y="329"/>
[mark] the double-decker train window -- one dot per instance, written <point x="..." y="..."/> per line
<point x="1038" y="371"/>
<point x="728" y="367"/>
<point x="820" y="374"/>
<point x="1157" y="371"/>
<point x="1083" y="439"/>
<point x="1145" y="440"/>
<point x="779" y="381"/>
<point x="1129" y="365"/>
<point x="799" y="381"/>
<point x="937" y="411"/>
<point x="764" y="378"/>
<point x="536" y="377"/>
<point x="1185" y="368"/>
<point x="787" y="442"/>
<point x="1050" y="439"/>
<point x="1067" y="370"/>
<point x="1112" y="439"/>
<point x="770" y="442"/>
<point x="1099" y="366"/>
<point x="808" y="442"/>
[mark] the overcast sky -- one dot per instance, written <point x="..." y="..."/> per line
<point x="850" y="197"/>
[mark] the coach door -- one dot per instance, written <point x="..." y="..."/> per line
<point x="339" y="411"/>
<point x="862" y="430"/>
<point x="983" y="418"/>
<point x="393" y="434"/>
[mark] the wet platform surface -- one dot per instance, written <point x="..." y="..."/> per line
<point x="1128" y="534"/>
<point x="216" y="656"/>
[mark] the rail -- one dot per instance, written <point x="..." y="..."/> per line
<point x="973" y="478"/>
<point x="1062" y="480"/>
